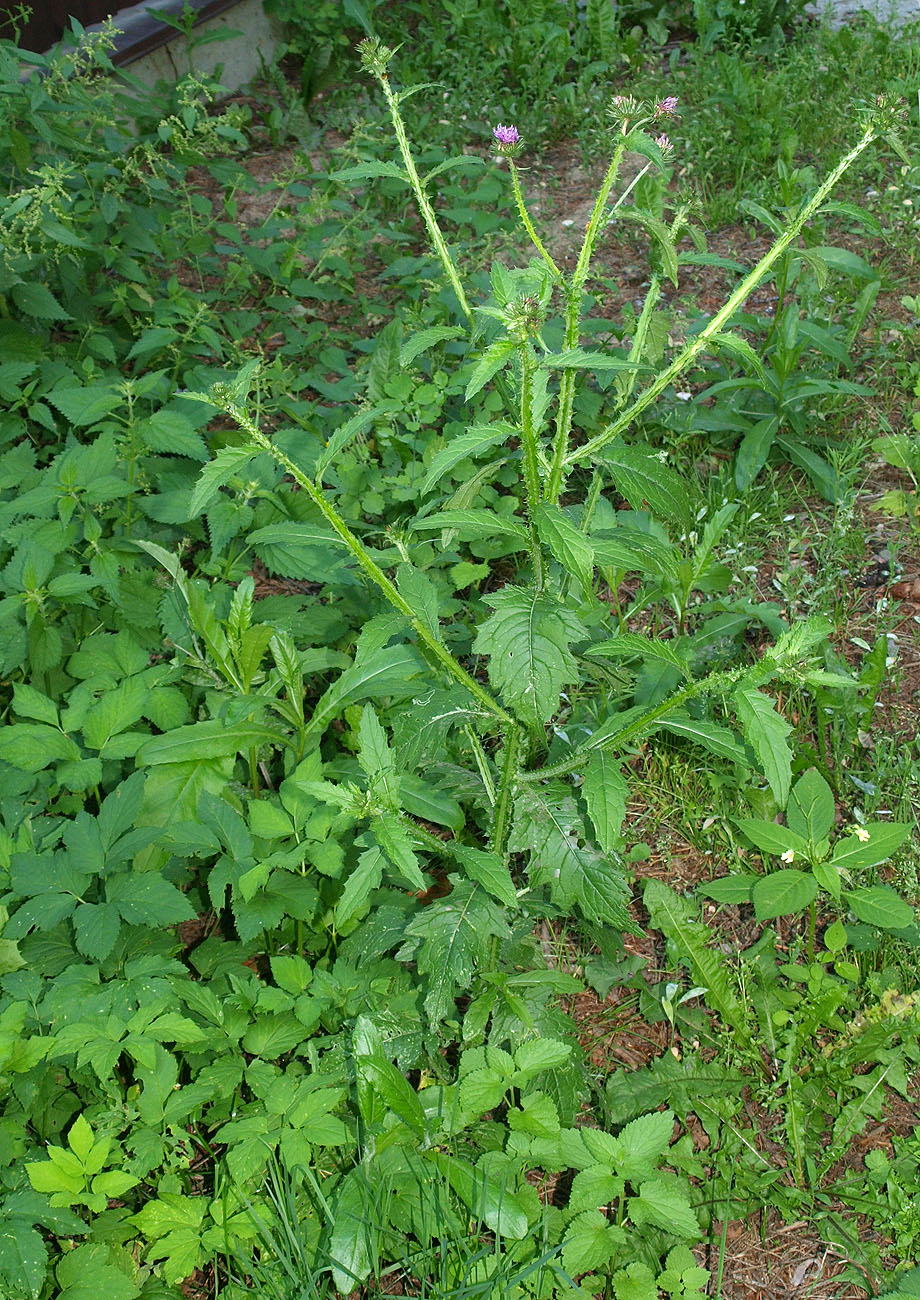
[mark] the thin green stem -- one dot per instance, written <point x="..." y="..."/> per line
<point x="591" y="500"/>
<point x="528" y="223"/>
<point x="435" y="648"/>
<point x="427" y="211"/>
<point x="734" y="301"/>
<point x="530" y="457"/>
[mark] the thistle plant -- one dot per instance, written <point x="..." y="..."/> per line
<point x="543" y="737"/>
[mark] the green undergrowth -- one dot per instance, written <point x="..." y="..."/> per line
<point x="374" y="603"/>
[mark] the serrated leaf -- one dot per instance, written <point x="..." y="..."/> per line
<point x="352" y="428"/>
<point x="173" y="433"/>
<point x="643" y="480"/>
<point x="206" y="740"/>
<point x="766" y="732"/>
<point x="421" y="341"/>
<point x="783" y="892"/>
<point x="665" y="1205"/>
<point x="469" y="445"/>
<point x="227" y="462"/>
<point x="370" y="171"/>
<point x="810" y="810"/>
<point x="488" y="870"/>
<point x="491" y="361"/>
<point x="567" y="543"/>
<point x="417" y="588"/>
<point x="311" y="552"/>
<point x="473" y="525"/>
<point x="96" y="926"/>
<point x="385" y="672"/>
<point x="38" y="301"/>
<point x="630" y="645"/>
<point x="23" y="1258"/>
<point x="85" y="404"/>
<point x="605" y="791"/>
<point x="450" y="940"/>
<point x="738" y="346"/>
<point x="579" y="359"/>
<point x="396" y="843"/>
<point x="527" y="639"/>
<point x="709" y="735"/>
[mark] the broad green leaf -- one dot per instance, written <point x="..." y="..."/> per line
<point x="590" y="1241"/>
<point x="810" y="810"/>
<point x="579" y="359"/>
<point x="538" y="1055"/>
<point x="87" y="1273"/>
<point x="491" y="361"/>
<point x="469" y="445"/>
<point x="31" y="746"/>
<point x="783" y="892"/>
<point x="527" y="639"/>
<point x="602" y="892"/>
<point x="31" y="703"/>
<point x="359" y="885"/>
<point x="879" y="905"/>
<point x="630" y="645"/>
<point x="738" y="346"/>
<point x="644" y="1142"/>
<point x="735" y="888"/>
<point x="852" y="853"/>
<point x="419" y="798"/>
<point x="766" y="732"/>
<point x="370" y="171"/>
<point x="146" y="898"/>
<point x="86" y="404"/>
<point x="643" y="480"/>
<point x="488" y="870"/>
<point x="394" y="1090"/>
<point x="605" y="791"/>
<point x="567" y="543"/>
<point x="171" y="432"/>
<point x="23" y="1258"/>
<point x="34" y="299"/>
<point x="385" y="672"/>
<point x="753" y="451"/>
<point x="665" y="1204"/>
<point x="395" y="840"/>
<point x="450" y="940"/>
<point x="352" y="428"/>
<point x="422" y="594"/>
<point x="311" y="552"/>
<point x="207" y="740"/>
<point x="96" y="926"/>
<point x="770" y="837"/>
<point x="353" y="1238"/>
<point x="375" y="758"/>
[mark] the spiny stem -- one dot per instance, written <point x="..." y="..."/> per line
<point x="734" y="301"/>
<point x="528" y="223"/>
<point x="427" y="211"/>
<point x="531" y="460"/>
<point x="373" y="570"/>
<point x="501" y="820"/>
<point x="716" y="683"/>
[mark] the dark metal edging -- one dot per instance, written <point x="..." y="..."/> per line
<point x="140" y="33"/>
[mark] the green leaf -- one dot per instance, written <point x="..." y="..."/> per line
<point x="214" y="476"/>
<point x="474" y="525"/>
<point x="396" y="843"/>
<point x="665" y="1205"/>
<point x="690" y="940"/>
<point x="311" y="552"/>
<point x="590" y="1241"/>
<point x="171" y="432"/>
<point x="23" y="1258"/>
<point x="30" y="703"/>
<point x="486" y="1197"/>
<point x="491" y="361"/>
<point x="488" y="870"/>
<point x="394" y="1091"/>
<point x="753" y="451"/>
<point x="421" y="341"/>
<point x="370" y="171"/>
<point x="630" y="645"/>
<point x="782" y="893"/>
<point x="885" y="838"/>
<point x="771" y="838"/>
<point x="422" y="594"/>
<point x="527" y="640"/>
<point x="352" y="428"/>
<point x="359" y="885"/>
<point x="738" y="346"/>
<point x="605" y="791"/>
<point x="735" y="888"/>
<point x="146" y="898"/>
<point x="38" y="301"/>
<point x="384" y="672"/>
<point x="31" y="746"/>
<point x="766" y="732"/>
<point x="450" y="941"/>
<point x="87" y="1273"/>
<point x="643" y="480"/>
<point x="206" y="740"/>
<point x="421" y="799"/>
<point x="96" y="926"/>
<point x="602" y="892"/>
<point x="86" y="404"/>
<point x="566" y="543"/>
<point x="644" y="1141"/>
<point x="810" y="811"/>
<point x="469" y="445"/>
<point x="879" y="905"/>
<point x="579" y="359"/>
<point x="708" y="735"/>
<point x="353" y="1238"/>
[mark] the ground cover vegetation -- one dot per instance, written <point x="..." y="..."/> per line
<point x="458" y="662"/>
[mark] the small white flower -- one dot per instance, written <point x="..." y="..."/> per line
<point x="861" y="834"/>
<point x="788" y="856"/>
<point x="683" y="397"/>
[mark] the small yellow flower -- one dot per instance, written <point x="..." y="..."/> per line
<point x="861" y="834"/>
<point x="788" y="856"/>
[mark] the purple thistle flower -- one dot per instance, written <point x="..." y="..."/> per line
<point x="664" y="144"/>
<point x="666" y="107"/>
<point x="506" y="135"/>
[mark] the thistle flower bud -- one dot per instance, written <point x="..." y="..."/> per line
<point x="622" y="107"/>
<point x="664" y="144"/>
<point x="666" y="107"/>
<point x="523" y="318"/>
<point x="374" y="56"/>
<point x="507" y="140"/>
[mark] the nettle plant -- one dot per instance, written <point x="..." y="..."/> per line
<point x="568" y="688"/>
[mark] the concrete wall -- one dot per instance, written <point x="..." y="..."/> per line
<point x="241" y="55"/>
